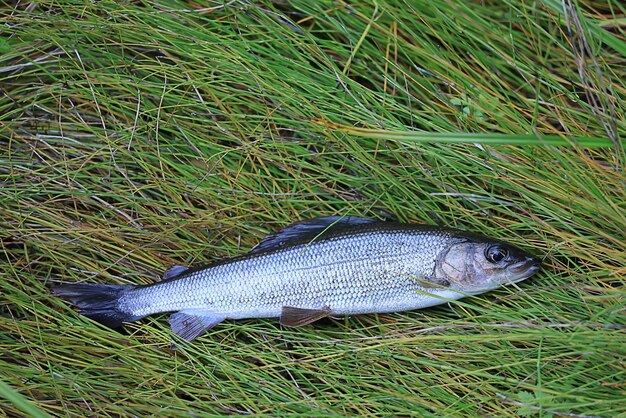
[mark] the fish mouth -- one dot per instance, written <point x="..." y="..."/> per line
<point x="524" y="269"/>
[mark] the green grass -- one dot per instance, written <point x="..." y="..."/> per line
<point x="137" y="135"/>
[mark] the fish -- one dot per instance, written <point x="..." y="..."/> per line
<point x="330" y="266"/>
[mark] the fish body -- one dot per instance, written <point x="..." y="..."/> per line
<point x="316" y="268"/>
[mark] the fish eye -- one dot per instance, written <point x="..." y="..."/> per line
<point x="496" y="253"/>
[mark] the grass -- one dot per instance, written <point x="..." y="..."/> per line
<point x="137" y="135"/>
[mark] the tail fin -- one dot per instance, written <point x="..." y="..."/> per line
<point x="97" y="301"/>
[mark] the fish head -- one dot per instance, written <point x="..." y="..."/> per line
<point x="475" y="266"/>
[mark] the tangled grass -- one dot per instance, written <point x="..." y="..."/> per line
<point x="135" y="135"/>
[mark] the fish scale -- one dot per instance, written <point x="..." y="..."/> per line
<point x="325" y="266"/>
<point x="330" y="272"/>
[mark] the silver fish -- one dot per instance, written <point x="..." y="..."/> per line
<point x="313" y="269"/>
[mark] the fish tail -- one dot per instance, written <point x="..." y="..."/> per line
<point x="99" y="302"/>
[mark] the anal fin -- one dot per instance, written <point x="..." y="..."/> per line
<point x="191" y="324"/>
<point x="297" y="317"/>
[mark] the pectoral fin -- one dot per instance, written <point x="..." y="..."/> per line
<point x="434" y="283"/>
<point x="193" y="323"/>
<point x="296" y="317"/>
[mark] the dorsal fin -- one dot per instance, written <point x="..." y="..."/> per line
<point x="174" y="271"/>
<point x="308" y="230"/>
